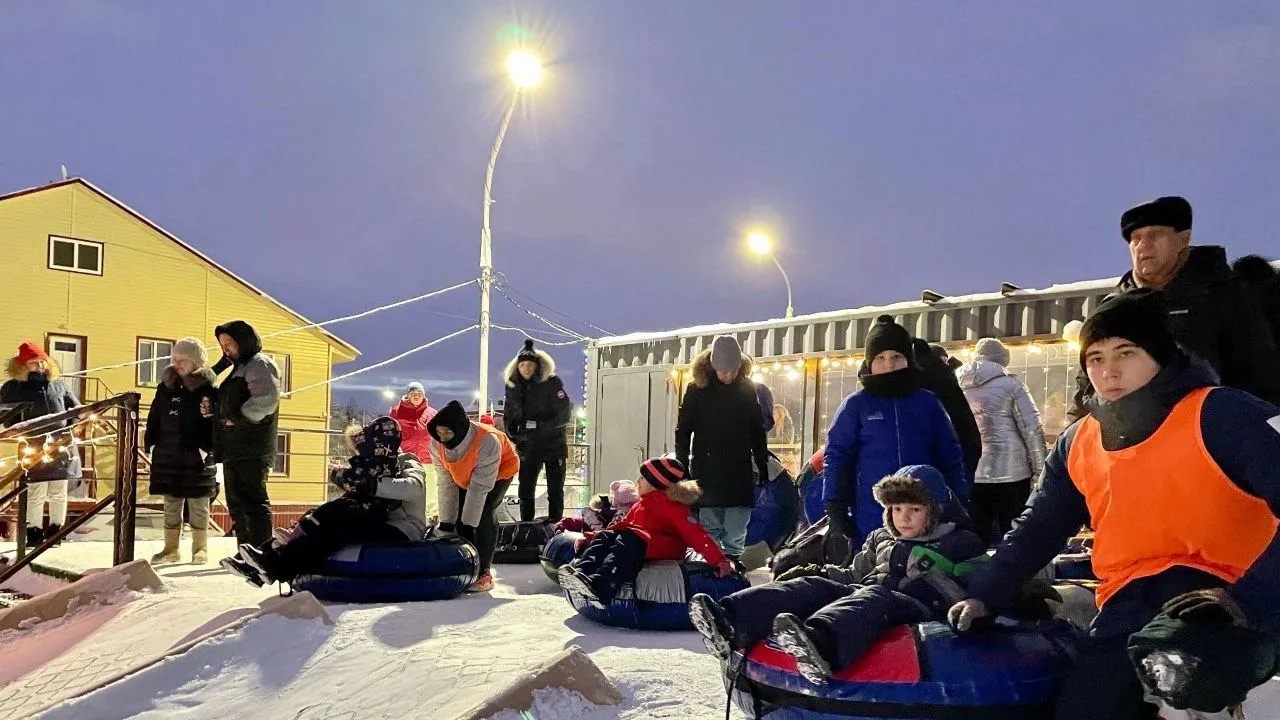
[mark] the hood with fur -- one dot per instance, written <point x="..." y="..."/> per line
<point x="19" y="371"/>
<point x="194" y="381"/>
<point x="685" y="492"/>
<point x="916" y="485"/>
<point x="703" y="373"/>
<point x="546" y="368"/>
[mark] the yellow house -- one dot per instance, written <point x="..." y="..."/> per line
<point x="101" y="285"/>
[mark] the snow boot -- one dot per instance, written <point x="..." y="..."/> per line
<point x="265" y="562"/>
<point x="35" y="536"/>
<point x="236" y="566"/>
<point x="169" y="554"/>
<point x="483" y="584"/>
<point x="53" y="529"/>
<point x="200" y="547"/>
<point x="712" y="623"/>
<point x="573" y="581"/>
<point x="791" y="636"/>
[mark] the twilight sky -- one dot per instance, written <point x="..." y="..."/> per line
<point x="333" y="152"/>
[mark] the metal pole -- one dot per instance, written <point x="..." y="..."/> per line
<point x="486" y="254"/>
<point x="791" y="311"/>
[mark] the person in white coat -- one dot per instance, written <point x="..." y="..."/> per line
<point x="1013" y="444"/>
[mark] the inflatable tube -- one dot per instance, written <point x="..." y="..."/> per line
<point x="916" y="672"/>
<point x="659" y="597"/>
<point x="777" y="511"/>
<point x="811" y="494"/>
<point x="433" y="569"/>
<point x="520" y="543"/>
<point x="557" y="552"/>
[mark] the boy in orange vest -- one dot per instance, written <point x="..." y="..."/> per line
<point x="1180" y="480"/>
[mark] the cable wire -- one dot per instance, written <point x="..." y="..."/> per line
<point x="377" y="365"/>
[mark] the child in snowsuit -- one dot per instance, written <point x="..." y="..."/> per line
<point x="602" y="510"/>
<point x="659" y="526"/>
<point x="904" y="574"/>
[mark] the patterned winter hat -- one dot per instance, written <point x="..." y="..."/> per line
<point x="380" y="438"/>
<point x="663" y="472"/>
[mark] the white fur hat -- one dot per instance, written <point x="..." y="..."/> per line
<point x="191" y="349"/>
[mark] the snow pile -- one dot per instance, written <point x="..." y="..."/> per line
<point x="560" y="704"/>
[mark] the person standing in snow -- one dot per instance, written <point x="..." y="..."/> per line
<point x="1013" y="445"/>
<point x="413" y="412"/>
<point x="179" y="440"/>
<point x="244" y="437"/>
<point x="938" y="376"/>
<point x="720" y="437"/>
<point x="34" y="381"/>
<point x="891" y="422"/>
<point x="475" y="464"/>
<point x="536" y="413"/>
<point x="1177" y="476"/>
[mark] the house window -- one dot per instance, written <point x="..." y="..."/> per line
<point x="284" y="364"/>
<point x="153" y="358"/>
<point x="77" y="256"/>
<point x="280" y="465"/>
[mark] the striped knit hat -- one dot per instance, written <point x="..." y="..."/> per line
<point x="662" y="472"/>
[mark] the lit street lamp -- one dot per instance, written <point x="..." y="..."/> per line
<point x="760" y="244"/>
<point x="525" y="71"/>
<point x="389" y="394"/>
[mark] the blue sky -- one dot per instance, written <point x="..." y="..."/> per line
<point x="334" y="152"/>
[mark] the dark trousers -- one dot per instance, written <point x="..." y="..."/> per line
<point x="247" y="501"/>
<point x="487" y="530"/>
<point x="996" y="506"/>
<point x="613" y="557"/>
<point x="1103" y="685"/>
<point x="532" y="464"/>
<point x="329" y="528"/>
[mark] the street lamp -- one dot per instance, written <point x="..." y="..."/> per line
<point x="525" y="70"/>
<point x="761" y="244"/>
<point x="389" y="394"/>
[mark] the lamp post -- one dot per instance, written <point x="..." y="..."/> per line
<point x="760" y="244"/>
<point x="525" y="71"/>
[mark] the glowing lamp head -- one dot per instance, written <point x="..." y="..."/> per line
<point x="759" y="243"/>
<point x="524" y="68"/>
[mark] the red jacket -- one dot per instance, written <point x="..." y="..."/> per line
<point x="414" y="437"/>
<point x="668" y="529"/>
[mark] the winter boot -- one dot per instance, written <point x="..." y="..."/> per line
<point x="199" y="547"/>
<point x="169" y="554"/>
<point x="483" y="584"/>
<point x="574" y="582"/>
<point x="35" y="536"/>
<point x="52" y="530"/>
<point x="789" y="631"/>
<point x="712" y="623"/>
<point x="236" y="566"/>
<point x="266" y="562"/>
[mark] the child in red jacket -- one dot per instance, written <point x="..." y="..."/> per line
<point x="659" y="526"/>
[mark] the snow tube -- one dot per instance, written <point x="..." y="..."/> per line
<point x="520" y="543"/>
<point x="433" y="569"/>
<point x="558" y="551"/>
<point x="811" y="494"/>
<point x="917" y="672"/>
<point x="659" y="597"/>
<point x="777" y="511"/>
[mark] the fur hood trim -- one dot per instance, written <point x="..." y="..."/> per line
<point x="703" y="373"/>
<point x="194" y="381"/>
<point x="546" y="368"/>
<point x="685" y="492"/>
<point x="18" y="370"/>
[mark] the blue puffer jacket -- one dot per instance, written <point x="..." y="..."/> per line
<point x="872" y="436"/>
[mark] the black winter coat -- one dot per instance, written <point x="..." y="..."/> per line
<point x="940" y="380"/>
<point x="536" y="413"/>
<point x="720" y="436"/>
<point x="43" y="397"/>
<point x="254" y="376"/>
<point x="179" y="435"/>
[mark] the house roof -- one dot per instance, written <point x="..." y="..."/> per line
<point x="330" y="337"/>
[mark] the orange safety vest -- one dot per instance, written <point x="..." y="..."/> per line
<point x="462" y="468"/>
<point x="1165" y="502"/>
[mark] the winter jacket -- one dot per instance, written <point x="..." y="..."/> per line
<point x="248" y="400"/>
<point x="537" y="411"/>
<point x="939" y="378"/>
<point x="45" y="394"/>
<point x="668" y="529"/>
<point x="1238" y="435"/>
<point x="872" y="436"/>
<point x="408" y="489"/>
<point x="494" y="455"/>
<point x="179" y="435"/>
<point x="720" y="435"/>
<point x="1013" y="445"/>
<point x="413" y="420"/>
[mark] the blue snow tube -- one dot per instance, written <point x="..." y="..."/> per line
<point x="558" y="551"/>
<point x="432" y="569"/>
<point x="917" y="672"/>
<point x="811" y="494"/>
<point x="659" y="597"/>
<point x="776" y="514"/>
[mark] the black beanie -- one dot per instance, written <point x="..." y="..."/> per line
<point x="886" y="334"/>
<point x="454" y="417"/>
<point x="528" y="354"/>
<point x="1138" y="316"/>
<point x="1171" y="211"/>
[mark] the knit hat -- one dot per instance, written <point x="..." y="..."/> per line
<point x="454" y="417"/>
<point x="192" y="349"/>
<point x="726" y="354"/>
<point x="1170" y="211"/>
<point x="886" y="334"/>
<point x="487" y="419"/>
<point x="528" y="354"/>
<point x="993" y="350"/>
<point x="415" y="386"/>
<point x="30" y="351"/>
<point x="663" y="472"/>
<point x="623" y="493"/>
<point x="1138" y="316"/>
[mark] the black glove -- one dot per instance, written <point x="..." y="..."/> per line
<point x="839" y="520"/>
<point x="1213" y="606"/>
<point x="468" y="533"/>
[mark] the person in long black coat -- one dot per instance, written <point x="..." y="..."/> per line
<point x="720" y="437"/>
<point x="179" y="439"/>
<point x="536" y="413"/>
<point x="939" y="378"/>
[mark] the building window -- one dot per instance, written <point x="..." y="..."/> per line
<point x="153" y="358"/>
<point x="280" y="465"/>
<point x="285" y="365"/>
<point x="77" y="256"/>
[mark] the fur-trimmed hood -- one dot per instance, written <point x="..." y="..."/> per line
<point x="18" y="370"/>
<point x="546" y="368"/>
<point x="685" y="492"/>
<point x="194" y="381"/>
<point x="703" y="372"/>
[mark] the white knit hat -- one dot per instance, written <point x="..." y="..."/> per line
<point x="191" y="349"/>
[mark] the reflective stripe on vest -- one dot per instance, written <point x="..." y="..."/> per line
<point x="462" y="468"/>
<point x="1165" y="502"/>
